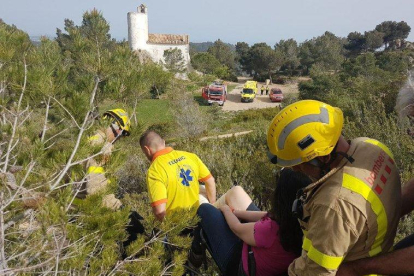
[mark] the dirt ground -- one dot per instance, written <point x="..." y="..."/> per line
<point x="234" y="103"/>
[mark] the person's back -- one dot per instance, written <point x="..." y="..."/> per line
<point x="399" y="261"/>
<point x="351" y="211"/>
<point x="117" y="124"/>
<point x="174" y="176"/>
<point x="363" y="195"/>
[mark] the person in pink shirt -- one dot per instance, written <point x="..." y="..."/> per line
<point x="272" y="239"/>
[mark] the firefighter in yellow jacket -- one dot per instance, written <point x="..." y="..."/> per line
<point x="96" y="181"/>
<point x="351" y="209"/>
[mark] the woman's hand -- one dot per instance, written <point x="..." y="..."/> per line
<point x="225" y="208"/>
<point x="245" y="231"/>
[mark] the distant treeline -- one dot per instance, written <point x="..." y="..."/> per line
<point x="288" y="57"/>
<point x="203" y="46"/>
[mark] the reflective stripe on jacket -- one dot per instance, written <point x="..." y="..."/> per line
<point x="98" y="138"/>
<point x="96" y="170"/>
<point x="96" y="180"/>
<point x="352" y="213"/>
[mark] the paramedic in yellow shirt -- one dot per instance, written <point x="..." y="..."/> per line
<point x="173" y="178"/>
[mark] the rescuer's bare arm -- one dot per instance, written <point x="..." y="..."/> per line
<point x="211" y="189"/>
<point x="398" y="262"/>
<point x="159" y="211"/>
<point x="407" y="197"/>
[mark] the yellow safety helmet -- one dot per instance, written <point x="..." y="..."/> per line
<point x="121" y="119"/>
<point x="302" y="131"/>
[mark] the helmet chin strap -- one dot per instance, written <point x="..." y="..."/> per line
<point x="114" y="131"/>
<point x="326" y="167"/>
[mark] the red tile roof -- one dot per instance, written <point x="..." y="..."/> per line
<point x="167" y="39"/>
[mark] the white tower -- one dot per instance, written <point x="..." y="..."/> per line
<point x="138" y="28"/>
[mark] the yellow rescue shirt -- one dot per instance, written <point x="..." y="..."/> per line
<point x="174" y="177"/>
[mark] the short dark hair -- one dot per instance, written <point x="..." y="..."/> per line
<point x="290" y="233"/>
<point x="150" y="138"/>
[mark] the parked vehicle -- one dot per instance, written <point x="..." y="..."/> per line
<point x="249" y="91"/>
<point x="276" y="95"/>
<point x="216" y="92"/>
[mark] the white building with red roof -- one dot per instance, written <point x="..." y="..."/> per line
<point x="154" y="44"/>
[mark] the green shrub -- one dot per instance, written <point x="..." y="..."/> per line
<point x="393" y="61"/>
<point x="280" y="79"/>
<point x="319" y="87"/>
<point x="256" y="114"/>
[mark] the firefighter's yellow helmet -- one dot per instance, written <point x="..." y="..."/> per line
<point x="121" y="119"/>
<point x="302" y="131"/>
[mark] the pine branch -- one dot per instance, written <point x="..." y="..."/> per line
<point x="25" y="118"/>
<point x="126" y="260"/>
<point x="11" y="271"/>
<point x="68" y="112"/>
<point x="172" y="264"/>
<point x="80" y="134"/>
<point x="45" y="123"/>
<point x="20" y="190"/>
<point x="16" y="116"/>
<point x="96" y="154"/>
<point x="3" y="261"/>
<point x="56" y="135"/>
<point x="17" y="218"/>
<point x="2" y="86"/>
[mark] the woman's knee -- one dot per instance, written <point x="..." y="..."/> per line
<point x="237" y="195"/>
<point x="237" y="191"/>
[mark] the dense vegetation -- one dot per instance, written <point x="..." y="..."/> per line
<point x="288" y="57"/>
<point x="50" y="95"/>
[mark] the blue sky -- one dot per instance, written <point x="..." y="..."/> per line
<point x="206" y="20"/>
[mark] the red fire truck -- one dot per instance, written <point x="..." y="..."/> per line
<point x="216" y="92"/>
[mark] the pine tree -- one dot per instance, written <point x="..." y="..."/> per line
<point x="48" y="94"/>
<point x="174" y="60"/>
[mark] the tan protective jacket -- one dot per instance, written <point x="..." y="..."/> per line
<point x="352" y="212"/>
<point x="96" y="180"/>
